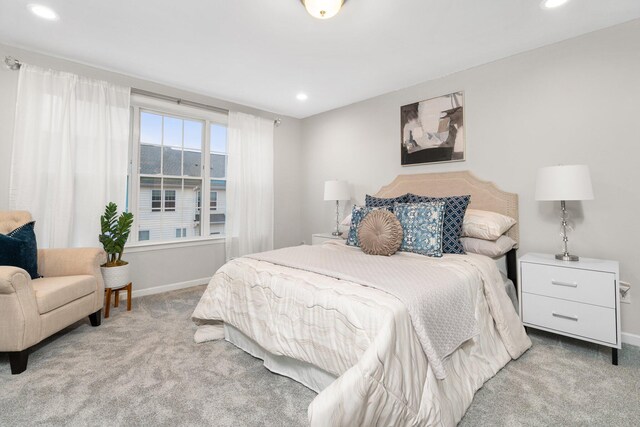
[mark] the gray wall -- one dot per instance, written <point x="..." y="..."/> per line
<point x="576" y="102"/>
<point x="153" y="268"/>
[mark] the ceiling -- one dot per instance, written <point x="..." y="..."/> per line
<point x="261" y="53"/>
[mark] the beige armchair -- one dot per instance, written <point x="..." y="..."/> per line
<point x="32" y="310"/>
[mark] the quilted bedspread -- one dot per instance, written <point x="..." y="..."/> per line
<point x="436" y="294"/>
<point x="343" y="317"/>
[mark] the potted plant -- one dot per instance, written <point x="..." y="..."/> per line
<point x="114" y="234"/>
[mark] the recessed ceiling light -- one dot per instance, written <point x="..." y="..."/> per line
<point x="301" y="96"/>
<point x="552" y="4"/>
<point x="43" y="12"/>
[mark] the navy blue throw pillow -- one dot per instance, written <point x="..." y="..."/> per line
<point x="18" y="248"/>
<point x="456" y="206"/>
<point x="379" y="202"/>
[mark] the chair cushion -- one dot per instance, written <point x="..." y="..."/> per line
<point x="54" y="292"/>
<point x="10" y="220"/>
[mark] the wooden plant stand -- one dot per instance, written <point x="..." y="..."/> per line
<point x="116" y="303"/>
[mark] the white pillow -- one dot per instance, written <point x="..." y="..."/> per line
<point x="347" y="221"/>
<point x="485" y="225"/>
<point x="487" y="247"/>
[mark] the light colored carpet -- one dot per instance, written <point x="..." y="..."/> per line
<point x="143" y="368"/>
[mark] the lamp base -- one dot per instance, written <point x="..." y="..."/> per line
<point x="567" y="257"/>
<point x="337" y="233"/>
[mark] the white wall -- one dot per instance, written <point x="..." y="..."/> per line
<point x="572" y="103"/>
<point x="152" y="268"/>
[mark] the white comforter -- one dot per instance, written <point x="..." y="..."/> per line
<point x="365" y="337"/>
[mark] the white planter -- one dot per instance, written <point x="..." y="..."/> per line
<point x="115" y="277"/>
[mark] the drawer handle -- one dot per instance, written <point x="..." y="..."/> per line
<point x="567" y="284"/>
<point x="564" y="316"/>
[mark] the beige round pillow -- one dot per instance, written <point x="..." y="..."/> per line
<point x="380" y="233"/>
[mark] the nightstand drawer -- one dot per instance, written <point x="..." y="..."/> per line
<point x="587" y="286"/>
<point x="584" y="320"/>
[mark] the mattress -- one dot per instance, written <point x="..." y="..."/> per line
<point x="356" y="345"/>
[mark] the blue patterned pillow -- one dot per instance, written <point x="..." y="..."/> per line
<point x="453" y="218"/>
<point x="379" y="202"/>
<point x="421" y="227"/>
<point x="18" y="249"/>
<point x="357" y="215"/>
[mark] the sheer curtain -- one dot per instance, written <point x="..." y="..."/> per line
<point x="70" y="152"/>
<point x="249" y="221"/>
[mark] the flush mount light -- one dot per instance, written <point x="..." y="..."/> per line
<point x="43" y="12"/>
<point x="552" y="4"/>
<point x="301" y="96"/>
<point x="322" y="9"/>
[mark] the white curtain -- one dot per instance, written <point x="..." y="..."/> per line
<point x="70" y="152"/>
<point x="249" y="220"/>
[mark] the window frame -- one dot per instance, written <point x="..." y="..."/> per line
<point x="140" y="103"/>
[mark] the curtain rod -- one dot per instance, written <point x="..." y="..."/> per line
<point x="15" y="64"/>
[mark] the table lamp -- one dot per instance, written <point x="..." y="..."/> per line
<point x="562" y="183"/>
<point x="336" y="190"/>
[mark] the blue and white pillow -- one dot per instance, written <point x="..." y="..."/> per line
<point x="380" y="202"/>
<point x="453" y="219"/>
<point x="421" y="227"/>
<point x="357" y="215"/>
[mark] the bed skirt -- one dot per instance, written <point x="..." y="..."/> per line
<point x="305" y="373"/>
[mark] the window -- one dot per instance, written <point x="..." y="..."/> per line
<point x="213" y="200"/>
<point x="179" y="167"/>
<point x="156" y="200"/>
<point x="169" y="200"/>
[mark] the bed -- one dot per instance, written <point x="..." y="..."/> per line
<point x="309" y="313"/>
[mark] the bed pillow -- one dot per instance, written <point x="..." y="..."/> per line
<point x="18" y="248"/>
<point x="421" y="227"/>
<point x="358" y="213"/>
<point x="380" y="233"/>
<point x="493" y="249"/>
<point x="485" y="225"/>
<point x="380" y="202"/>
<point x="456" y="206"/>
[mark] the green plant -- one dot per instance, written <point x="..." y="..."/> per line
<point x="114" y="233"/>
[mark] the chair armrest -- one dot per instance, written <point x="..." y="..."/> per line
<point x="12" y="279"/>
<point x="70" y="261"/>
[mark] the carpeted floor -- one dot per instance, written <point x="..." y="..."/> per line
<point x="143" y="368"/>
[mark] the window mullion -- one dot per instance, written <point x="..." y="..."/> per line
<point x="205" y="212"/>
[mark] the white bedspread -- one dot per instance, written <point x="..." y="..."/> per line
<point x="366" y="338"/>
<point x="436" y="293"/>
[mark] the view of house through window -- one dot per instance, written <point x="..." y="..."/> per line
<point x="180" y="160"/>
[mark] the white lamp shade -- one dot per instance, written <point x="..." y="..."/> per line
<point x="323" y="9"/>
<point x="336" y="190"/>
<point x="567" y="182"/>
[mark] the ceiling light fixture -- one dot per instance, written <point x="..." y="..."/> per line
<point x="552" y="4"/>
<point x="43" y="12"/>
<point x="322" y="9"/>
<point x="301" y="96"/>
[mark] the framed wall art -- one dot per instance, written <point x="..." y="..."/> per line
<point x="432" y="131"/>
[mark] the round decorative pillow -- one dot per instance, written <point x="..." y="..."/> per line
<point x="380" y="233"/>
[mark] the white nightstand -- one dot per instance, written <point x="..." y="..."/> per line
<point x="320" y="238"/>
<point x="578" y="299"/>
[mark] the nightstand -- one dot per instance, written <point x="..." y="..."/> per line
<point x="578" y="299"/>
<point x="320" y="238"/>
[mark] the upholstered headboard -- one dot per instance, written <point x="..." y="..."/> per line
<point x="484" y="195"/>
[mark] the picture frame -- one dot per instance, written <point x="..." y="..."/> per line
<point x="433" y="131"/>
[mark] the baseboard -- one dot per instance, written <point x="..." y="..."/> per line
<point x="631" y="339"/>
<point x="169" y="287"/>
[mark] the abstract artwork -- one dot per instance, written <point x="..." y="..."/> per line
<point x="432" y="131"/>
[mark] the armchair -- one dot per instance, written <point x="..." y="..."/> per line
<point x="34" y="309"/>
